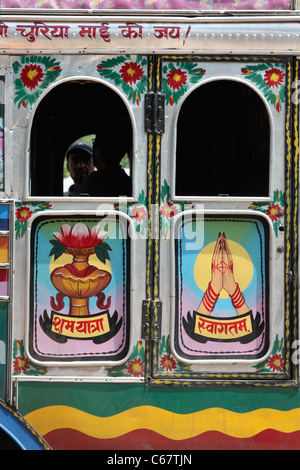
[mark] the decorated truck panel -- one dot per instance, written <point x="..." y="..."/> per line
<point x="160" y="314"/>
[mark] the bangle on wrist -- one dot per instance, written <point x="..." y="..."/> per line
<point x="210" y="298"/>
<point x="237" y="298"/>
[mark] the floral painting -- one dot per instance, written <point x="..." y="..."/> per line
<point x="127" y="72"/>
<point x="24" y="213"/>
<point x="270" y="79"/>
<point x="274" y="210"/>
<point x="167" y="362"/>
<point x="275" y="362"/>
<point x="177" y="79"/>
<point x="139" y="214"/>
<point x="167" y="210"/>
<point x="33" y="75"/>
<point x="134" y="367"/>
<point x="21" y="364"/>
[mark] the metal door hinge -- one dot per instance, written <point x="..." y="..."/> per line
<point x="154" y="113"/>
<point x="151" y="320"/>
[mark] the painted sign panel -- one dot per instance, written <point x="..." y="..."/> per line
<point x="79" y="307"/>
<point x="221" y="287"/>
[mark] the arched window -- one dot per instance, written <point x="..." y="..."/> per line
<point x="223" y="142"/>
<point x="68" y="112"/>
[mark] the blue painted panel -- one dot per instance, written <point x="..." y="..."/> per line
<point x="19" y="430"/>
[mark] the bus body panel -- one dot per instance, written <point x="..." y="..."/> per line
<point x="111" y="334"/>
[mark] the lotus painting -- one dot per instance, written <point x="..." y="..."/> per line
<point x="79" y="307"/>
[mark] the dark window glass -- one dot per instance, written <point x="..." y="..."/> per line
<point x="68" y="112"/>
<point x="223" y="142"/>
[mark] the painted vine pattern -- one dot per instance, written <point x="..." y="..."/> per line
<point x="23" y="214"/>
<point x="274" y="210"/>
<point x="274" y="363"/>
<point x="270" y="79"/>
<point x="21" y="364"/>
<point x="127" y="73"/>
<point x="177" y="78"/>
<point x="33" y="74"/>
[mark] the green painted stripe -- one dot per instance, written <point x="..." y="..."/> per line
<point x="110" y="399"/>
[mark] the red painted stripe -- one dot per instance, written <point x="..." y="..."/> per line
<point x="143" y="439"/>
<point x="3" y="275"/>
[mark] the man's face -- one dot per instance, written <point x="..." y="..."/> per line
<point x="80" y="165"/>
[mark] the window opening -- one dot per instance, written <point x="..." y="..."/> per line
<point x="223" y="142"/>
<point x="68" y="112"/>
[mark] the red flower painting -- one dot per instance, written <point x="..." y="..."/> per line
<point x="21" y="364"/>
<point x="168" y="363"/>
<point x="131" y="72"/>
<point x="274" y="77"/>
<point x="23" y="213"/>
<point x="176" y="78"/>
<point x="31" y="76"/>
<point x="136" y="368"/>
<point x="276" y="363"/>
<point x="273" y="212"/>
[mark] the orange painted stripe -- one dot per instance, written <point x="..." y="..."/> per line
<point x="4" y="253"/>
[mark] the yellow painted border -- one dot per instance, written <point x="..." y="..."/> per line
<point x="171" y="425"/>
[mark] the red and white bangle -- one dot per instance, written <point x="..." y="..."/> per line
<point x="237" y="298"/>
<point x="210" y="298"/>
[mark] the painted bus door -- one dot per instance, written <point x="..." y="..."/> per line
<point x="85" y="264"/>
<point x="225" y="213"/>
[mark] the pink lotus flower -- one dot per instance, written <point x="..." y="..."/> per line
<point x="80" y="236"/>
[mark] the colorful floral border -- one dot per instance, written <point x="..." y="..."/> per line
<point x="134" y="367"/>
<point x="167" y="362"/>
<point x="275" y="363"/>
<point x="167" y="210"/>
<point x="34" y="75"/>
<point x="21" y="364"/>
<point x="274" y="210"/>
<point x="270" y="79"/>
<point x="139" y="215"/>
<point x="129" y="74"/>
<point x="24" y="213"/>
<point x="177" y="79"/>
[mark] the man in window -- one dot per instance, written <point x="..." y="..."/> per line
<point x="79" y="163"/>
<point x="111" y="144"/>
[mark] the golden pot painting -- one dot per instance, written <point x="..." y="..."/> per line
<point x="79" y="289"/>
<point x="79" y="280"/>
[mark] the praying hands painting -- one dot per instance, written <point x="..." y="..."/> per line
<point x="221" y="287"/>
<point x="79" y="302"/>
